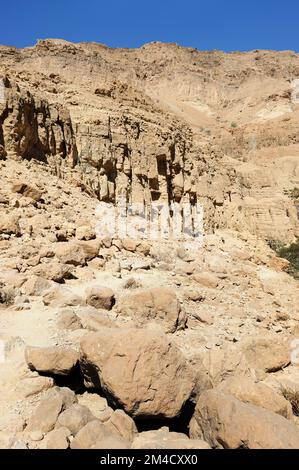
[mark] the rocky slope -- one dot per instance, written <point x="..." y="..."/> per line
<point x="119" y="342"/>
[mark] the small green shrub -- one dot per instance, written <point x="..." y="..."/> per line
<point x="289" y="252"/>
<point x="293" y="398"/>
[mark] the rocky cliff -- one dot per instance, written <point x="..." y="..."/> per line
<point x="161" y="123"/>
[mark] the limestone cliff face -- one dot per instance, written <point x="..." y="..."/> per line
<point x="143" y="124"/>
<point x="32" y="128"/>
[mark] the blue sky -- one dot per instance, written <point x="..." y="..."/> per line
<point x="211" y="24"/>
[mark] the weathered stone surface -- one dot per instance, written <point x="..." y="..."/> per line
<point x="62" y="297"/>
<point x="158" y="305"/>
<point x="267" y="354"/>
<point x="57" y="439"/>
<point x="68" y="320"/>
<point x="35" y="286"/>
<point x="93" y="319"/>
<point x="74" y="418"/>
<point x="247" y="390"/>
<point x="94" y="402"/>
<point x="225" y="422"/>
<point x="163" y="439"/>
<point x="141" y="371"/>
<point x="9" y="224"/>
<point x="77" y="253"/>
<point x="206" y="279"/>
<point x="122" y="425"/>
<point x="53" y="271"/>
<point x="27" y="190"/>
<point x="100" y="297"/>
<point x="34" y="385"/>
<point x="52" y="360"/>
<point x="95" y="435"/>
<point x="44" y="417"/>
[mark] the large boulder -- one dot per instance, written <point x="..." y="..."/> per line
<point x="247" y="390"/>
<point x="141" y="371"/>
<point x="51" y="360"/>
<point x="53" y="271"/>
<point x="77" y="253"/>
<point x="157" y="305"/>
<point x="215" y="365"/>
<point x="225" y="422"/>
<point x="266" y="354"/>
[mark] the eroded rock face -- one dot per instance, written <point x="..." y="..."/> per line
<point x="225" y="422"/>
<point x="140" y="370"/>
<point x="32" y="128"/>
<point x="75" y="135"/>
<point x="145" y="153"/>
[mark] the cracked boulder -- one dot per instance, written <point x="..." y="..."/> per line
<point x="139" y="370"/>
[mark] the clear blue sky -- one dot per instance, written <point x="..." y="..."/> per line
<point x="210" y="24"/>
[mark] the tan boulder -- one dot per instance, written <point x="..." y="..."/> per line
<point x="123" y="425"/>
<point x="27" y="190"/>
<point x="44" y="417"/>
<point x="33" y="385"/>
<point x="225" y="422"/>
<point x="157" y="305"/>
<point x="85" y="232"/>
<point x="111" y="441"/>
<point x="68" y="320"/>
<point x="139" y="370"/>
<point x="60" y="296"/>
<point x="129" y="244"/>
<point x="93" y="319"/>
<point x="266" y="354"/>
<point x="100" y="297"/>
<point x="206" y="279"/>
<point x="35" y="286"/>
<point x="9" y="224"/>
<point x="94" y="402"/>
<point x="164" y="439"/>
<point x="247" y="390"/>
<point x="57" y="439"/>
<point x="218" y="364"/>
<point x="95" y="435"/>
<point x="75" y="418"/>
<point x="51" y="360"/>
<point x="77" y="253"/>
<point x="53" y="271"/>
